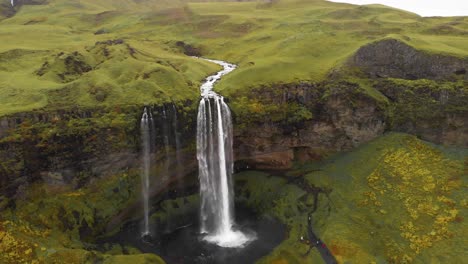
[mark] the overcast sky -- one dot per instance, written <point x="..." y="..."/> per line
<point x="421" y="7"/>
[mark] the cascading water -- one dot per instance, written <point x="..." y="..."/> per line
<point x="167" y="147"/>
<point x="168" y="127"/>
<point x="145" y="125"/>
<point x="177" y="145"/>
<point x="215" y="162"/>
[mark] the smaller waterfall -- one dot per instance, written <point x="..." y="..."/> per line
<point x="145" y="125"/>
<point x="178" y="147"/>
<point x="12" y="2"/>
<point x="167" y="145"/>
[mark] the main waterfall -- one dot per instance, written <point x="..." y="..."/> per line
<point x="215" y="163"/>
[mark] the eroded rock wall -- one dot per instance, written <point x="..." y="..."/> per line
<point x="343" y="117"/>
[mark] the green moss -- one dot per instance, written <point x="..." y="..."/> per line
<point x="178" y="212"/>
<point x="273" y="197"/>
<point x="52" y="224"/>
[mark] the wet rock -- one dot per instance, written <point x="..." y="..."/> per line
<point x="274" y="160"/>
<point x="85" y="231"/>
<point x="53" y="178"/>
<point x="396" y="59"/>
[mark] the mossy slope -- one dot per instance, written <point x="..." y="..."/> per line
<point x="396" y="199"/>
<point x="51" y="224"/>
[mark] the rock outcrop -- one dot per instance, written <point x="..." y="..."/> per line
<point x="396" y="59"/>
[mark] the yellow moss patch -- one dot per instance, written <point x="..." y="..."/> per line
<point x="418" y="179"/>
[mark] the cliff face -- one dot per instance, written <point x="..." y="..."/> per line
<point x="384" y="86"/>
<point x="75" y="147"/>
<point x="342" y="118"/>
<point x="276" y="126"/>
<point x="434" y="111"/>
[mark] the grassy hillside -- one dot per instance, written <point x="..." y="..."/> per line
<point x="49" y="56"/>
<point x="407" y="195"/>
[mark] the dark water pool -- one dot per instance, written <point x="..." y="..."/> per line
<point x="185" y="246"/>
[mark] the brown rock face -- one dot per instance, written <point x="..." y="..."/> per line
<point x="342" y="119"/>
<point x="273" y="160"/>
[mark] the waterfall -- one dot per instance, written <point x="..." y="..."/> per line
<point x="167" y="146"/>
<point x="12" y="2"/>
<point x="215" y="163"/>
<point x="146" y="125"/>
<point x="168" y="127"/>
<point x="177" y="145"/>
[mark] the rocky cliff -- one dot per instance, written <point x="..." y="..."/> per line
<point x="276" y="126"/>
<point x="396" y="59"/>
<point x="384" y="86"/>
<point x="74" y="147"/>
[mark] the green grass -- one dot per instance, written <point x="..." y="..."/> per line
<point x="287" y="41"/>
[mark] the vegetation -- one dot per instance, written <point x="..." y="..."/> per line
<point x="406" y="194"/>
<point x="56" y="54"/>
<point x="403" y="193"/>
<point x="60" y="59"/>
<point x="51" y="224"/>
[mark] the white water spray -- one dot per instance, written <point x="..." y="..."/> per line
<point x="215" y="162"/>
<point x="145" y="125"/>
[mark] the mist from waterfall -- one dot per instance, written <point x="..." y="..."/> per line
<point x="145" y="126"/>
<point x="215" y="163"/>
